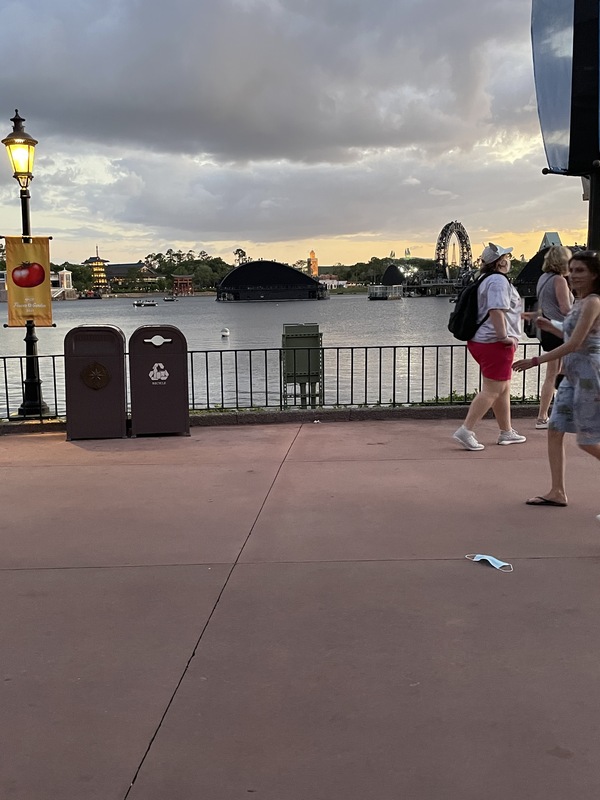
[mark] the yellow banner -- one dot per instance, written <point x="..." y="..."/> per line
<point x="28" y="281"/>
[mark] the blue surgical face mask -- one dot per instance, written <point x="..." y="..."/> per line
<point x="503" y="566"/>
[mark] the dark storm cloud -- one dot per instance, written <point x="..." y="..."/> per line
<point x="301" y="80"/>
<point x="275" y="120"/>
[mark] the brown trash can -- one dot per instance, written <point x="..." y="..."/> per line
<point x="95" y="389"/>
<point x="158" y="379"/>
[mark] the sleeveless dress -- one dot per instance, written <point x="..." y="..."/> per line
<point x="577" y="403"/>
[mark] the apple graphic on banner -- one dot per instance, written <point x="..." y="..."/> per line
<point x="28" y="274"/>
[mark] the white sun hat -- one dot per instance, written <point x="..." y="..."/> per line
<point x="493" y="252"/>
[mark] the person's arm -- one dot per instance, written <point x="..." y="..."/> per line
<point x="498" y="320"/>
<point x="589" y="314"/>
<point x="553" y="326"/>
<point x="563" y="294"/>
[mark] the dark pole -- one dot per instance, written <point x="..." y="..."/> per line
<point x="593" y="240"/>
<point x="33" y="405"/>
<point x="26" y="223"/>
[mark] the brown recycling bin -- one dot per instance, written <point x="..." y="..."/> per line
<point x="158" y="377"/>
<point x="96" y="396"/>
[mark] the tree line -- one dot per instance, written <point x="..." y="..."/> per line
<point x="207" y="271"/>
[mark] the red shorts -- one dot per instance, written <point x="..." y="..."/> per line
<point x="494" y="358"/>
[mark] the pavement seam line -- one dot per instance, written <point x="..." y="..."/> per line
<point x="210" y="616"/>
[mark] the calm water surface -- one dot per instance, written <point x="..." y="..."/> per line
<point x="343" y="320"/>
<point x="248" y="379"/>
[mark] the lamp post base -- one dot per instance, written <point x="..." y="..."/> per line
<point x="33" y="404"/>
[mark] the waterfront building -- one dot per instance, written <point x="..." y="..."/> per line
<point x="118" y="274"/>
<point x="332" y="281"/>
<point x="98" y="267"/>
<point x="269" y="280"/>
<point x="106" y="275"/>
<point x="391" y="286"/>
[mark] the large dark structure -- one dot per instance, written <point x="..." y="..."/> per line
<point x="269" y="280"/>
<point x="392" y="276"/>
<point x="566" y="65"/>
<point x="527" y="279"/>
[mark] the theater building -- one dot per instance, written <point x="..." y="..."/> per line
<point x="269" y="280"/>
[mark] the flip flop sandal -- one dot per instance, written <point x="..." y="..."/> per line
<point x="544" y="501"/>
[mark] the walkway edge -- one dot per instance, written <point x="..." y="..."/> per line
<point x="214" y="418"/>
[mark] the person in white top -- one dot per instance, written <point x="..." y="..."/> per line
<point x="493" y="347"/>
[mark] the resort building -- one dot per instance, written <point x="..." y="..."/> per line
<point x="98" y="267"/>
<point x="106" y="275"/>
<point x="145" y="276"/>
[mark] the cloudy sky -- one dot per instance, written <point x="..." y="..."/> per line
<point x="279" y="126"/>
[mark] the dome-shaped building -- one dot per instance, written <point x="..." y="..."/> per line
<point x="269" y="280"/>
<point x="393" y="276"/>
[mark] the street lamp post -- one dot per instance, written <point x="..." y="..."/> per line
<point x="20" y="147"/>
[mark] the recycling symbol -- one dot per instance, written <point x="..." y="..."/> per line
<point x="158" y="373"/>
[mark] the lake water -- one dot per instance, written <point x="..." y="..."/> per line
<point x="229" y="378"/>
<point x="344" y="320"/>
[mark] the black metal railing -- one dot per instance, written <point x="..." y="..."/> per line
<point x="387" y="375"/>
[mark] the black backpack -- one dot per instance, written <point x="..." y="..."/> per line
<point x="463" y="324"/>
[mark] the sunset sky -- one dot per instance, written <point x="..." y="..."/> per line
<point x="278" y="126"/>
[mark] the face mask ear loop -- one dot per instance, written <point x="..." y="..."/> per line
<point x="506" y="568"/>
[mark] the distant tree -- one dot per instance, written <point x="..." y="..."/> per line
<point x="204" y="277"/>
<point x="134" y="281"/>
<point x="171" y="262"/>
<point x="516" y="265"/>
<point x="241" y="256"/>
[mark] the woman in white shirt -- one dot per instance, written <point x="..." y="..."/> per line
<point x="493" y="347"/>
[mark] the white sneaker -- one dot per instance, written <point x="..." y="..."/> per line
<point x="511" y="437"/>
<point x="541" y="424"/>
<point x="467" y="439"/>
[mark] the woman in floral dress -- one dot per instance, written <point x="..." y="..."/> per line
<point x="577" y="404"/>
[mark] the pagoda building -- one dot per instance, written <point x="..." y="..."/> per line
<point x="98" y="268"/>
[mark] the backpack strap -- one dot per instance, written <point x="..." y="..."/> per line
<point x="481" y="280"/>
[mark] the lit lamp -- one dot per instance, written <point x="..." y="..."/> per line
<point x="20" y="147"/>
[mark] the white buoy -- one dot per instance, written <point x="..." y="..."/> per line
<point x="224" y="331"/>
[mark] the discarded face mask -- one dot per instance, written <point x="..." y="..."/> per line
<point x="503" y="566"/>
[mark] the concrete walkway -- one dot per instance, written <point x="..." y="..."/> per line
<point x="285" y="612"/>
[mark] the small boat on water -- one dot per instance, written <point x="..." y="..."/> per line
<point x="170" y="299"/>
<point x="144" y="303"/>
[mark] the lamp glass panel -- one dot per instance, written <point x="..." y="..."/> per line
<point x="21" y="157"/>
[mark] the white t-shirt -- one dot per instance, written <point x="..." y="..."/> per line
<point x="496" y="292"/>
